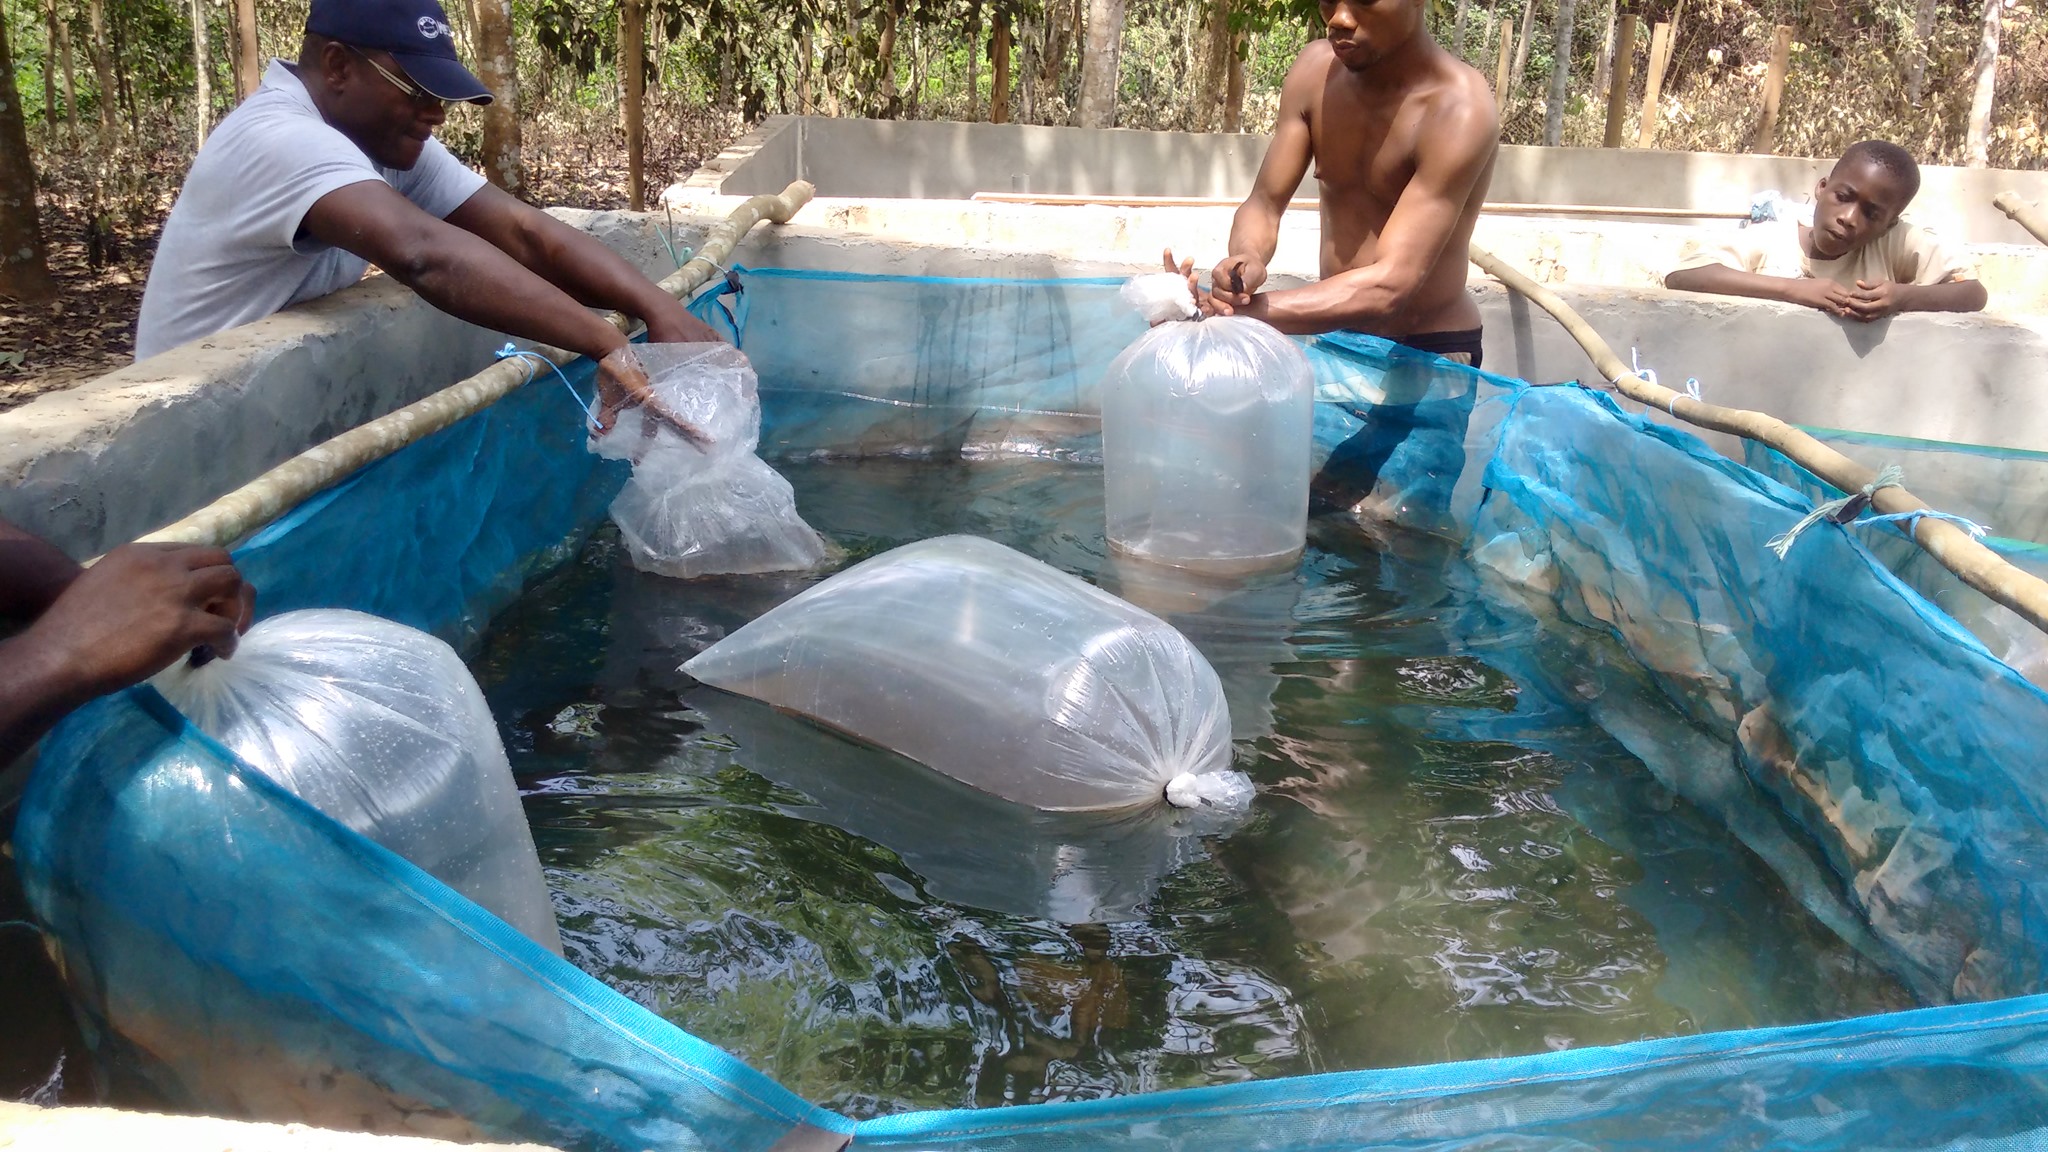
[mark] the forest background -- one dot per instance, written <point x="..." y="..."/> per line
<point x="104" y="102"/>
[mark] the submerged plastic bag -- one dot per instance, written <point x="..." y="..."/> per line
<point x="699" y="509"/>
<point x="999" y="671"/>
<point x="1206" y="438"/>
<point x="381" y="727"/>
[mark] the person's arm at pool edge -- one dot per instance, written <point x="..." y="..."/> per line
<point x="1721" y="280"/>
<point x="577" y="263"/>
<point x="1888" y="298"/>
<point x="33" y="573"/>
<point x="465" y="276"/>
<point x="117" y="623"/>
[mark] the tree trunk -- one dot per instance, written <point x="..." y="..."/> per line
<point x="974" y="64"/>
<point x="1458" y="31"/>
<point x="1916" y="67"/>
<point x="49" y="65"/>
<point x="117" y="45"/>
<point x="999" y="72"/>
<point x="885" y="61"/>
<point x="1560" y="75"/>
<point x="1522" y="48"/>
<point x="1215" y="79"/>
<point x="103" y="68"/>
<point x="1099" y="53"/>
<point x="496" y="66"/>
<point x="1984" y="81"/>
<point x="24" y="273"/>
<point x="1774" y="89"/>
<point x="202" y="112"/>
<point x="248" y="50"/>
<point x="70" y="76"/>
<point x="633" y="68"/>
<point x="1603" y="65"/>
<point x="1233" y="98"/>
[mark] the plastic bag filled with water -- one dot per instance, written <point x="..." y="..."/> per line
<point x="712" y="506"/>
<point x="1206" y="438"/>
<point x="381" y="727"/>
<point x="999" y="671"/>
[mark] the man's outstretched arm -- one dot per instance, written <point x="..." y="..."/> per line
<point x="1449" y="166"/>
<point x="577" y="263"/>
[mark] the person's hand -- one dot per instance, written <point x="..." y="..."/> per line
<point x="1233" y="282"/>
<point x="676" y="326"/>
<point x="622" y="383"/>
<point x="1875" y="301"/>
<point x="1825" y="295"/>
<point x="141" y="608"/>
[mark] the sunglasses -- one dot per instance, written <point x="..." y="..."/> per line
<point x="420" y="97"/>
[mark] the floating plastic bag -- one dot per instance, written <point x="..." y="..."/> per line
<point x="999" y="671"/>
<point x="698" y="509"/>
<point x="381" y="727"/>
<point x="1206" y="439"/>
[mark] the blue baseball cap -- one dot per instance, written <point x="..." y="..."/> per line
<point x="415" y="32"/>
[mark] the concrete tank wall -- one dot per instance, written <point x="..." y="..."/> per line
<point x="127" y="453"/>
<point x="946" y="160"/>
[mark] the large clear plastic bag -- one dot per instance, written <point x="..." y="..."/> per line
<point x="1206" y="439"/>
<point x="696" y="509"/>
<point x="999" y="671"/>
<point x="381" y="727"/>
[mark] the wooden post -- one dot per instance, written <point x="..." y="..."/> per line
<point x="999" y="72"/>
<point x="1500" y="74"/>
<point x="1617" y="81"/>
<point x="1653" y="85"/>
<point x="248" y="50"/>
<point x="1774" y="88"/>
<point x="633" y="57"/>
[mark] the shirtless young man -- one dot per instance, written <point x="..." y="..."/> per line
<point x="1403" y="136"/>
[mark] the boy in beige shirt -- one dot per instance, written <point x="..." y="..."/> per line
<point x="1854" y="259"/>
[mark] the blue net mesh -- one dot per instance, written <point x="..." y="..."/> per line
<point x="242" y="954"/>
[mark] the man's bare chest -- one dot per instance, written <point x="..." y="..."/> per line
<point x="1362" y="155"/>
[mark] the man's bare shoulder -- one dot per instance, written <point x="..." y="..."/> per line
<point x="1313" y="63"/>
<point x="1462" y="96"/>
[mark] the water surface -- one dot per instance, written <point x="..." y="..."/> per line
<point x="1448" y="858"/>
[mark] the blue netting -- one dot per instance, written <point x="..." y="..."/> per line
<point x="244" y="954"/>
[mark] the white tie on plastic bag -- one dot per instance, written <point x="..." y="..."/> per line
<point x="999" y="671"/>
<point x="695" y="510"/>
<point x="382" y="728"/>
<point x="1159" y="297"/>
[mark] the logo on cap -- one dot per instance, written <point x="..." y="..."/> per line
<point x="431" y="28"/>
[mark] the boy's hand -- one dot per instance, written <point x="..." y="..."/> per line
<point x="1825" y="295"/>
<point x="140" y="608"/>
<point x="1876" y="301"/>
<point x="622" y="383"/>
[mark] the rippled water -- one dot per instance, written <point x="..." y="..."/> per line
<point x="1448" y="859"/>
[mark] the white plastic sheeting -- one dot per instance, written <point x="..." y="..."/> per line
<point x="381" y="727"/>
<point x="999" y="671"/>
<point x="695" y="509"/>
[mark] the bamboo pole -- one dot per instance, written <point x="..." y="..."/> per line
<point x="1959" y="552"/>
<point x="2028" y="216"/>
<point x="1617" y="82"/>
<point x="284" y="487"/>
<point x="1774" y="88"/>
<point x="1307" y="204"/>
<point x="1653" y="86"/>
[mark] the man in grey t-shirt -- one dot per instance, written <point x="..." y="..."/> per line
<point x="331" y="166"/>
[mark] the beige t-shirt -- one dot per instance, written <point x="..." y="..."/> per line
<point x="1905" y="254"/>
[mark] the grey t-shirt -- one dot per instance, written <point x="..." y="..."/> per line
<point x="230" y="253"/>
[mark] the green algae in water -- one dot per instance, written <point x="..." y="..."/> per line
<point x="1449" y="857"/>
